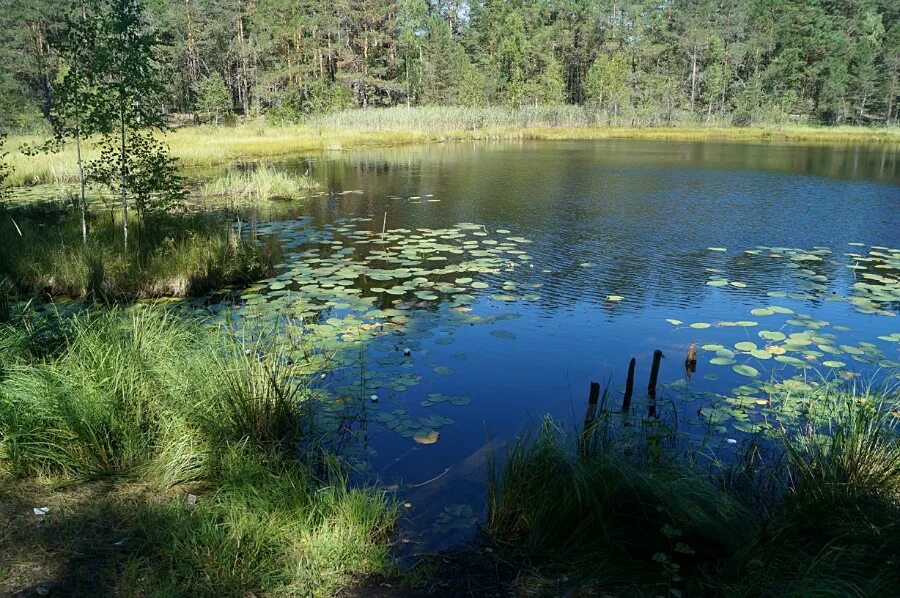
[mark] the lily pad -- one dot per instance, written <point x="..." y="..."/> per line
<point x="503" y="334"/>
<point x="746" y="370"/>
<point x="426" y="436"/>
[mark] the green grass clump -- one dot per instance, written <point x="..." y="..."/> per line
<point x="260" y="183"/>
<point x="152" y="401"/>
<point x="616" y="522"/>
<point x="168" y="255"/>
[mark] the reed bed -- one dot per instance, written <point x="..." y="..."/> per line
<point x="180" y="255"/>
<point x="260" y="183"/>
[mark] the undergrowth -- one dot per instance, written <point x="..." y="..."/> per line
<point x="179" y="255"/>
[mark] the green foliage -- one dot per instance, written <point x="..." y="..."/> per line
<point x="809" y="60"/>
<point x="715" y="75"/>
<point x="5" y="170"/>
<point x="137" y="394"/>
<point x="607" y="82"/>
<point x="213" y="98"/>
<point x="141" y="168"/>
<point x="260" y="183"/>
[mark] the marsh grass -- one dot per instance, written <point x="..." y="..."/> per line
<point x="260" y="183"/>
<point x="158" y="407"/>
<point x="207" y="145"/>
<point x="180" y="255"/>
<point x="617" y="522"/>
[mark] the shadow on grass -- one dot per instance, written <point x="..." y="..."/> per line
<point x="42" y="253"/>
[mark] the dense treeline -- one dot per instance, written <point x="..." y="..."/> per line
<point x="641" y="61"/>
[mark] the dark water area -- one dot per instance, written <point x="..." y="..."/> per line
<point x="572" y="258"/>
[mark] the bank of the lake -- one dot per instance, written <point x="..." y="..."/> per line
<point x="355" y="129"/>
<point x="143" y="454"/>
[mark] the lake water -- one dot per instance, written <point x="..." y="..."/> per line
<point x="459" y="293"/>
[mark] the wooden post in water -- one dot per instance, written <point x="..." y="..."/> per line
<point x="651" y="387"/>
<point x="629" y="386"/>
<point x="593" y="398"/>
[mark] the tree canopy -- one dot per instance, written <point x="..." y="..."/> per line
<point x="745" y="60"/>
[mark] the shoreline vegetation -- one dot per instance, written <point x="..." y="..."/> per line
<point x="43" y="255"/>
<point x="171" y="459"/>
<point x="812" y="512"/>
<point x="174" y="458"/>
<point x="208" y="145"/>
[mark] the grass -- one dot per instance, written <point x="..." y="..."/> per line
<point x="261" y="183"/>
<point x="618" y="523"/>
<point x="182" y="255"/>
<point x="206" y="146"/>
<point x="177" y="449"/>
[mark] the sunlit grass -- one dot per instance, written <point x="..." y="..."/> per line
<point x="261" y="183"/>
<point x="42" y="253"/>
<point x="207" y="145"/>
<point x="159" y="407"/>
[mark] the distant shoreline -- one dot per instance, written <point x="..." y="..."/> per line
<point x="206" y="145"/>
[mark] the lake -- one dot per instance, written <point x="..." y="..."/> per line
<point x="456" y="294"/>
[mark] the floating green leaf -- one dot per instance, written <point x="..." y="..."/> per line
<point x="746" y="370"/>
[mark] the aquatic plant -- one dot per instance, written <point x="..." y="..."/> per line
<point x="261" y="183"/>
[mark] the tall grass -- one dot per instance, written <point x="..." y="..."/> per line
<point x="618" y="523"/>
<point x="207" y="145"/>
<point x="149" y="398"/>
<point x="168" y="256"/>
<point x="260" y="183"/>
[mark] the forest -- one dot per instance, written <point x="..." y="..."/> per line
<point x="638" y="62"/>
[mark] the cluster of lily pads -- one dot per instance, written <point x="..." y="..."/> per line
<point x="365" y="298"/>
<point x="875" y="288"/>
<point x="797" y="355"/>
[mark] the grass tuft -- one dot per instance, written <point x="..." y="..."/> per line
<point x="158" y="407"/>
<point x="261" y="183"/>
<point x="616" y="522"/>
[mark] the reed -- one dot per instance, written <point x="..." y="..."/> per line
<point x="260" y="183"/>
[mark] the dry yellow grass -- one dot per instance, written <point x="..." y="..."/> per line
<point x="207" y="146"/>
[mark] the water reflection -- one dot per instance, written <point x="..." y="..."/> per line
<point x="625" y="239"/>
